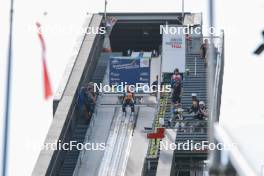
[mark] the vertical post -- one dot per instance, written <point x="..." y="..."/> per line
<point x="105" y="11"/>
<point x="8" y="90"/>
<point x="160" y="71"/>
<point x="195" y="60"/>
<point x="182" y="11"/>
<point x="214" y="156"/>
<point x="210" y="64"/>
<point x="159" y="80"/>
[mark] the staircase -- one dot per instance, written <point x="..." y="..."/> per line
<point x="195" y="130"/>
<point x="71" y="157"/>
<point x="196" y="82"/>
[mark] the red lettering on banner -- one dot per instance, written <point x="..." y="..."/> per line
<point x="175" y="45"/>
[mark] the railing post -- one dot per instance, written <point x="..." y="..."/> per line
<point x="195" y="60"/>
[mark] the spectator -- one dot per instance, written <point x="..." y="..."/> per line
<point x="81" y="102"/>
<point x="90" y="99"/>
<point x="202" y="112"/>
<point x="204" y="49"/>
<point x="176" y="72"/>
<point x="177" y="114"/>
<point x="194" y="108"/>
<point x="195" y="105"/>
<point x="81" y="97"/>
<point x="155" y="85"/>
<point x="176" y="92"/>
<point x="194" y="97"/>
<point x="175" y="76"/>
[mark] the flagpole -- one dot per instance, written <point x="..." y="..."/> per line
<point x="8" y="91"/>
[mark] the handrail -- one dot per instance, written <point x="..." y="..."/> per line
<point x="63" y="124"/>
<point x="215" y="103"/>
<point x="87" y="137"/>
<point x="91" y="125"/>
<point x="157" y="112"/>
<point x="218" y="80"/>
<point x="75" y="103"/>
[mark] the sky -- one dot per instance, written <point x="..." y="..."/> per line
<point x="31" y="115"/>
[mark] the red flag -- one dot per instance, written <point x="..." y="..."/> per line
<point x="47" y="85"/>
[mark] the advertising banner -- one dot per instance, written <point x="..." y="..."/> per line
<point x="173" y="49"/>
<point x="131" y="71"/>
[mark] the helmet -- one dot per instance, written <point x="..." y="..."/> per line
<point x="201" y="103"/>
<point x="128" y="96"/>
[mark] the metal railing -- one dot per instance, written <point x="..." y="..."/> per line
<point x="219" y="73"/>
<point x="91" y="125"/>
<point x="215" y="102"/>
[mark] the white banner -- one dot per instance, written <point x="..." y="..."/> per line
<point x="173" y="49"/>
